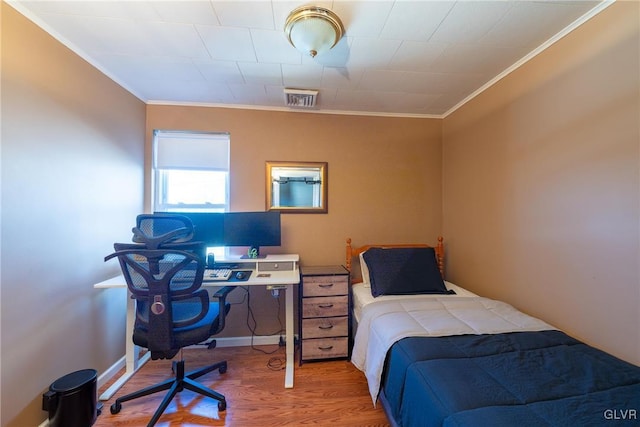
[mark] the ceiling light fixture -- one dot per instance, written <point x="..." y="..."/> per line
<point x="313" y="30"/>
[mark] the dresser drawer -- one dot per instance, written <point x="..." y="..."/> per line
<point x="324" y="348"/>
<point x="325" y="327"/>
<point x="325" y="306"/>
<point x="316" y="286"/>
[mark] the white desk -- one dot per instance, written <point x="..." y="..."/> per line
<point x="273" y="270"/>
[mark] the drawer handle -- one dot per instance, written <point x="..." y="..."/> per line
<point x="326" y="285"/>
<point x="325" y="305"/>
<point x="326" y="348"/>
<point x="325" y="327"/>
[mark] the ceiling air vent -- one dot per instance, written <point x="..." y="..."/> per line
<point x="300" y="98"/>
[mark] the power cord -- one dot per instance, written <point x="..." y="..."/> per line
<point x="252" y="325"/>
<point x="277" y="364"/>
<point x="274" y="363"/>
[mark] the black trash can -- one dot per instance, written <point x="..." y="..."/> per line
<point x="71" y="400"/>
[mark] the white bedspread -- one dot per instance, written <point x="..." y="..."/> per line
<point x="385" y="322"/>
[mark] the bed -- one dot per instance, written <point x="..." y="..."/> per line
<point x="435" y="354"/>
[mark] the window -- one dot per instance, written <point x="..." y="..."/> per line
<point x="191" y="190"/>
<point x="190" y="171"/>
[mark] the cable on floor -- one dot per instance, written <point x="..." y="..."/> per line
<point x="252" y="324"/>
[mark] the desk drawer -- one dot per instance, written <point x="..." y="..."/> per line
<point x="275" y="266"/>
<point x="324" y="348"/>
<point x="325" y="327"/>
<point x="317" y="286"/>
<point x="325" y="306"/>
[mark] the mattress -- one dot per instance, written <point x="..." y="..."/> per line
<point x="362" y="296"/>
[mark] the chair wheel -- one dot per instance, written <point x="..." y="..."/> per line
<point x="222" y="369"/>
<point x="116" y="407"/>
<point x="222" y="405"/>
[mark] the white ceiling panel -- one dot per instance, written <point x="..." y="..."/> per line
<point x="401" y="81"/>
<point x="301" y="76"/>
<point x="467" y="21"/>
<point x="272" y="47"/>
<point x="254" y="93"/>
<point x="363" y="19"/>
<point x="173" y="39"/>
<point x="371" y="52"/>
<point x="219" y="71"/>
<point x="404" y="57"/>
<point x="341" y="77"/>
<point x="232" y="44"/>
<point x="257" y="73"/>
<point x="247" y="14"/>
<point x="416" y="56"/>
<point x="198" y="91"/>
<point x="415" y="20"/>
<point x="152" y="68"/>
<point x="186" y="12"/>
<point x="135" y="10"/>
<point x="474" y="58"/>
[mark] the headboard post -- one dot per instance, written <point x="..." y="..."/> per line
<point x="440" y="255"/>
<point x="348" y="260"/>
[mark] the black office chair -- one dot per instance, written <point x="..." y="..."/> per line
<point x="172" y="312"/>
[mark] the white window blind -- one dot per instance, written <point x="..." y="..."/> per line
<point x="190" y="150"/>
<point x="190" y="171"/>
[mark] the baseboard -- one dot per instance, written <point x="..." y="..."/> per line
<point x="246" y="341"/>
<point x="111" y="371"/>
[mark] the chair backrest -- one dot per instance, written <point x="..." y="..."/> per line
<point x="166" y="284"/>
<point x="160" y="229"/>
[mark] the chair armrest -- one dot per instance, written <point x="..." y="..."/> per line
<point x="223" y="307"/>
<point x="221" y="294"/>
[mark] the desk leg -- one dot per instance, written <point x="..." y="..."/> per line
<point x="132" y="360"/>
<point x="290" y="344"/>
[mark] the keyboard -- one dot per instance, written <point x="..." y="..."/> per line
<point x="215" y="274"/>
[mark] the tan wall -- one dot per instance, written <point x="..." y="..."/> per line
<point x="72" y="179"/>
<point x="384" y="179"/>
<point x="541" y="185"/>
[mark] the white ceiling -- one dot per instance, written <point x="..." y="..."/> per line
<point x="399" y="57"/>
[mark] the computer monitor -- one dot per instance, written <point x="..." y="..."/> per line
<point x="207" y="227"/>
<point x="252" y="229"/>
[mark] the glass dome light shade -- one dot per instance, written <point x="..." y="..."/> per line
<point x="313" y="30"/>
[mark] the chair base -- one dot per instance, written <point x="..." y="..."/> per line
<point x="175" y="385"/>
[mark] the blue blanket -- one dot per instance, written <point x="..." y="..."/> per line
<point x="522" y="378"/>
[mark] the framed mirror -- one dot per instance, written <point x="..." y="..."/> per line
<point x="296" y="187"/>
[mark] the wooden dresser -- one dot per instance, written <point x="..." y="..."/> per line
<point x="325" y="317"/>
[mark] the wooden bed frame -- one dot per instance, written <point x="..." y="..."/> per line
<point x="356" y="251"/>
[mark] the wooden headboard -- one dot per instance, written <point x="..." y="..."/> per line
<point x="356" y="251"/>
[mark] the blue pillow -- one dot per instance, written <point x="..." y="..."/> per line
<point x="404" y="271"/>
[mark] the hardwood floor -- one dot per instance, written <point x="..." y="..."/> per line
<point x="331" y="393"/>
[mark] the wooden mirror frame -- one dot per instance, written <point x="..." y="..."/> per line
<point x="317" y="167"/>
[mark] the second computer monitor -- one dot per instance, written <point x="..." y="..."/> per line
<point x="252" y="229"/>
